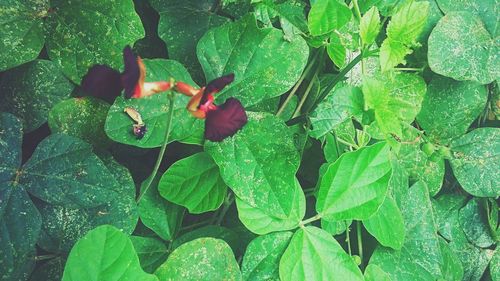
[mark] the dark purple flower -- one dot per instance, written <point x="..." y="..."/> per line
<point x="225" y="120"/>
<point x="102" y="82"/>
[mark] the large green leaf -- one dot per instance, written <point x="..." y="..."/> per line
<point x="10" y="147"/>
<point x="83" y="118"/>
<point x="387" y="225"/>
<point x="214" y="231"/>
<point x="259" y="164"/>
<point x="63" y="170"/>
<point x="475" y="161"/>
<point x="486" y="9"/>
<point x="104" y="254"/>
<point x="151" y="251"/>
<point x="412" y="262"/>
<point x="154" y="110"/>
<point x="82" y="33"/>
<point x="195" y="183"/>
<point x="262" y="256"/>
<point x="402" y="33"/>
<point x="355" y="185"/>
<point x="340" y="104"/>
<point x="21" y="36"/>
<point x="327" y="15"/>
<point x="200" y="259"/>
<point x="395" y="98"/>
<point x="460" y="47"/>
<point x="474" y="222"/>
<point x="31" y="90"/>
<point x="20" y="224"/>
<point x="63" y="226"/>
<point x="260" y="59"/>
<point x="451" y="268"/>
<point x="182" y="24"/>
<point x="450" y="106"/>
<point x="313" y="254"/>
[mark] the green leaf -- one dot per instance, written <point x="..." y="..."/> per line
<point x="402" y="33"/>
<point x="21" y="36"/>
<point x="341" y="104"/>
<point x="20" y="224"/>
<point x="446" y="206"/>
<point x="290" y="13"/>
<point x="182" y="24"/>
<point x="214" y="231"/>
<point x="261" y="221"/>
<point x="336" y="51"/>
<point x="154" y="110"/>
<point x="450" y="106"/>
<point x="452" y="267"/>
<point x="259" y="164"/>
<point x="82" y="33"/>
<point x="259" y="58"/>
<point x="161" y="216"/>
<point x="63" y="225"/>
<point x="51" y="270"/>
<point x="83" y="118"/>
<point x="63" y="170"/>
<point x="95" y="257"/>
<point x="387" y="225"/>
<point x="495" y="266"/>
<point x="475" y="161"/>
<point x="195" y="183"/>
<point x="335" y="227"/>
<point x="355" y="185"/>
<point x="313" y="254"/>
<point x="200" y="259"/>
<point x="151" y="251"/>
<point x="262" y="256"/>
<point x="327" y="15"/>
<point x="411" y="262"/>
<point x="31" y="90"/>
<point x="375" y="273"/>
<point x="369" y="26"/>
<point x="461" y="48"/>
<point x="474" y="222"/>
<point x="395" y="98"/>
<point x="11" y="134"/>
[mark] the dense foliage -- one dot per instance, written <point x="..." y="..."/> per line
<point x="371" y="150"/>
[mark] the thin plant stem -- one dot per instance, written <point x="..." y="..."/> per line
<point x="227" y="204"/>
<point x="171" y="98"/>
<point x="309" y="220"/>
<point x="348" y="240"/>
<point x="304" y="97"/>
<point x="297" y="85"/>
<point x="356" y="9"/>
<point x="360" y="241"/>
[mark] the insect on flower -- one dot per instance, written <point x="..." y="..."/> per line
<point x="104" y="82"/>
<point x="139" y="129"/>
<point x="221" y="121"/>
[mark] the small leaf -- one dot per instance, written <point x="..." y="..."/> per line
<point x="355" y="185"/>
<point x="95" y="257"/>
<point x="335" y="227"/>
<point x="327" y="15"/>
<point x="475" y="162"/>
<point x="259" y="58"/>
<point x="200" y="259"/>
<point x="336" y="51"/>
<point x="151" y="251"/>
<point x="313" y="254"/>
<point x="262" y="256"/>
<point x="387" y="225"/>
<point x="31" y="90"/>
<point x="473" y="219"/>
<point x="369" y="26"/>
<point x="195" y="183"/>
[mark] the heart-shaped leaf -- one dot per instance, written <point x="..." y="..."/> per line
<point x="387" y="225"/>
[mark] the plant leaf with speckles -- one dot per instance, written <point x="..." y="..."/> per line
<point x="313" y="254"/>
<point x="451" y="268"/>
<point x="259" y="164"/>
<point x="95" y="257"/>
<point x="259" y="58"/>
<point x="83" y="118"/>
<point x="228" y="235"/>
<point x="63" y="170"/>
<point x="475" y="161"/>
<point x="327" y="15"/>
<point x="387" y="225"/>
<point x="495" y="266"/>
<point x="354" y="186"/>
<point x="461" y="48"/>
<point x="420" y="257"/>
<point x="10" y="147"/>
<point x="21" y="35"/>
<point x="82" y="33"/>
<point x="182" y="24"/>
<point x="474" y="222"/>
<point x="200" y="259"/>
<point x="154" y="110"/>
<point x="450" y="106"/>
<point x="195" y="183"/>
<point x="31" y="90"/>
<point x="262" y="256"/>
<point x="63" y="226"/>
<point x="152" y="252"/>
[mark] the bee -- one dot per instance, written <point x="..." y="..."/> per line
<point x="139" y="128"/>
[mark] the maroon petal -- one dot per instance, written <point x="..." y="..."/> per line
<point x="132" y="72"/>
<point x="103" y="82"/>
<point x="225" y="121"/>
<point x="216" y="86"/>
